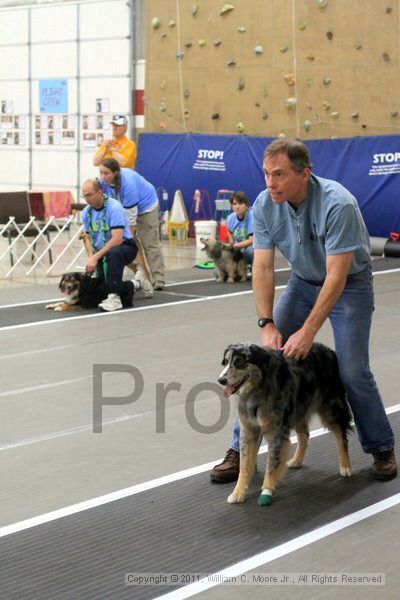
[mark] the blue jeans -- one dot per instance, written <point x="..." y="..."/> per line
<point x="248" y="254"/>
<point x="117" y="258"/>
<point x="350" y="319"/>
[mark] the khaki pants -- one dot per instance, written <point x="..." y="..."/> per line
<point x="148" y="232"/>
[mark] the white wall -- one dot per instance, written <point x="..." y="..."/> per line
<point x="86" y="44"/>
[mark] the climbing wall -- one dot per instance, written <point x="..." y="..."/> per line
<point x="310" y="68"/>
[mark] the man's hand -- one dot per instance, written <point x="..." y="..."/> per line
<point x="270" y="337"/>
<point x="108" y="144"/>
<point x="299" y="344"/>
<point x="91" y="265"/>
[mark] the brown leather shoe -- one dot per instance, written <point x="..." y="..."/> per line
<point x="384" y="467"/>
<point x="228" y="470"/>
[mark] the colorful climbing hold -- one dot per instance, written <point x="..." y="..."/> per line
<point x="215" y="116"/>
<point x="231" y="63"/>
<point x="307" y="125"/>
<point x="163" y="85"/>
<point x="326" y="80"/>
<point x="329" y="35"/>
<point x="335" y="114"/>
<point x="187" y="44"/>
<point x="291" y="103"/>
<point x="302" y="26"/>
<point x="156" y="23"/>
<point x="258" y="49"/>
<point x="354" y="115"/>
<point x="218" y="42"/>
<point x="195" y="8"/>
<point x="163" y="106"/>
<point x="241" y="29"/>
<point x="240" y="127"/>
<point x="180" y="54"/>
<point x="322" y="3"/>
<point x="227" y="8"/>
<point x="290" y="79"/>
<point x="186" y="93"/>
<point x="386" y="57"/>
<point x="201" y="42"/>
<point x="171" y="23"/>
<point x="241" y="85"/>
<point x="284" y="48"/>
<point x="326" y="105"/>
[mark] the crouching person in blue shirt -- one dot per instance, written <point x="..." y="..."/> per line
<point x="240" y="225"/>
<point x="108" y="241"/>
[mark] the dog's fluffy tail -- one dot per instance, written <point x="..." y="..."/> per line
<point x="326" y="364"/>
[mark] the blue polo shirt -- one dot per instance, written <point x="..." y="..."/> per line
<point x="100" y="222"/>
<point x="240" y="229"/>
<point x="329" y="221"/>
<point x="134" y="190"/>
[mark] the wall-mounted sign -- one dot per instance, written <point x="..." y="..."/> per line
<point x="53" y="96"/>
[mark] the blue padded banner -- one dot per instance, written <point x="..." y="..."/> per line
<point x="368" y="166"/>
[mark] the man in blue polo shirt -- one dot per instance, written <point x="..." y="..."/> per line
<point x="318" y="227"/>
<point x="108" y="241"/>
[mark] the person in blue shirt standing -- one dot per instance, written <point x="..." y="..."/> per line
<point x="318" y="227"/>
<point x="139" y="198"/>
<point x="108" y="241"/>
<point x="240" y="225"/>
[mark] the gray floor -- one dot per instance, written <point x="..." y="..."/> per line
<point x="52" y="459"/>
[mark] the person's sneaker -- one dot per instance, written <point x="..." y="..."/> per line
<point x="228" y="470"/>
<point x="145" y="284"/>
<point x="384" y="467"/>
<point x="112" y="302"/>
<point x="159" y="285"/>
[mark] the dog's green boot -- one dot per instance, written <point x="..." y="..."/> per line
<point x="265" y="498"/>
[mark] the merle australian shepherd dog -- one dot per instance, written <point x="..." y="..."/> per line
<point x="276" y="394"/>
<point x="83" y="291"/>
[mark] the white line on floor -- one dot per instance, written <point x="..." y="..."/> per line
<point x="38" y="351"/>
<point x="284" y="549"/>
<point x="44" y="386"/>
<point x="150" y="307"/>
<point x="127" y="310"/>
<point x="30" y="303"/>
<point x="79" y="429"/>
<point x="167" y="286"/>
<point x="208" y="279"/>
<point x="126" y="492"/>
<point x="122" y="419"/>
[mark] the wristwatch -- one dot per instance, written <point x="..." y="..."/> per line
<point x="263" y="321"/>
